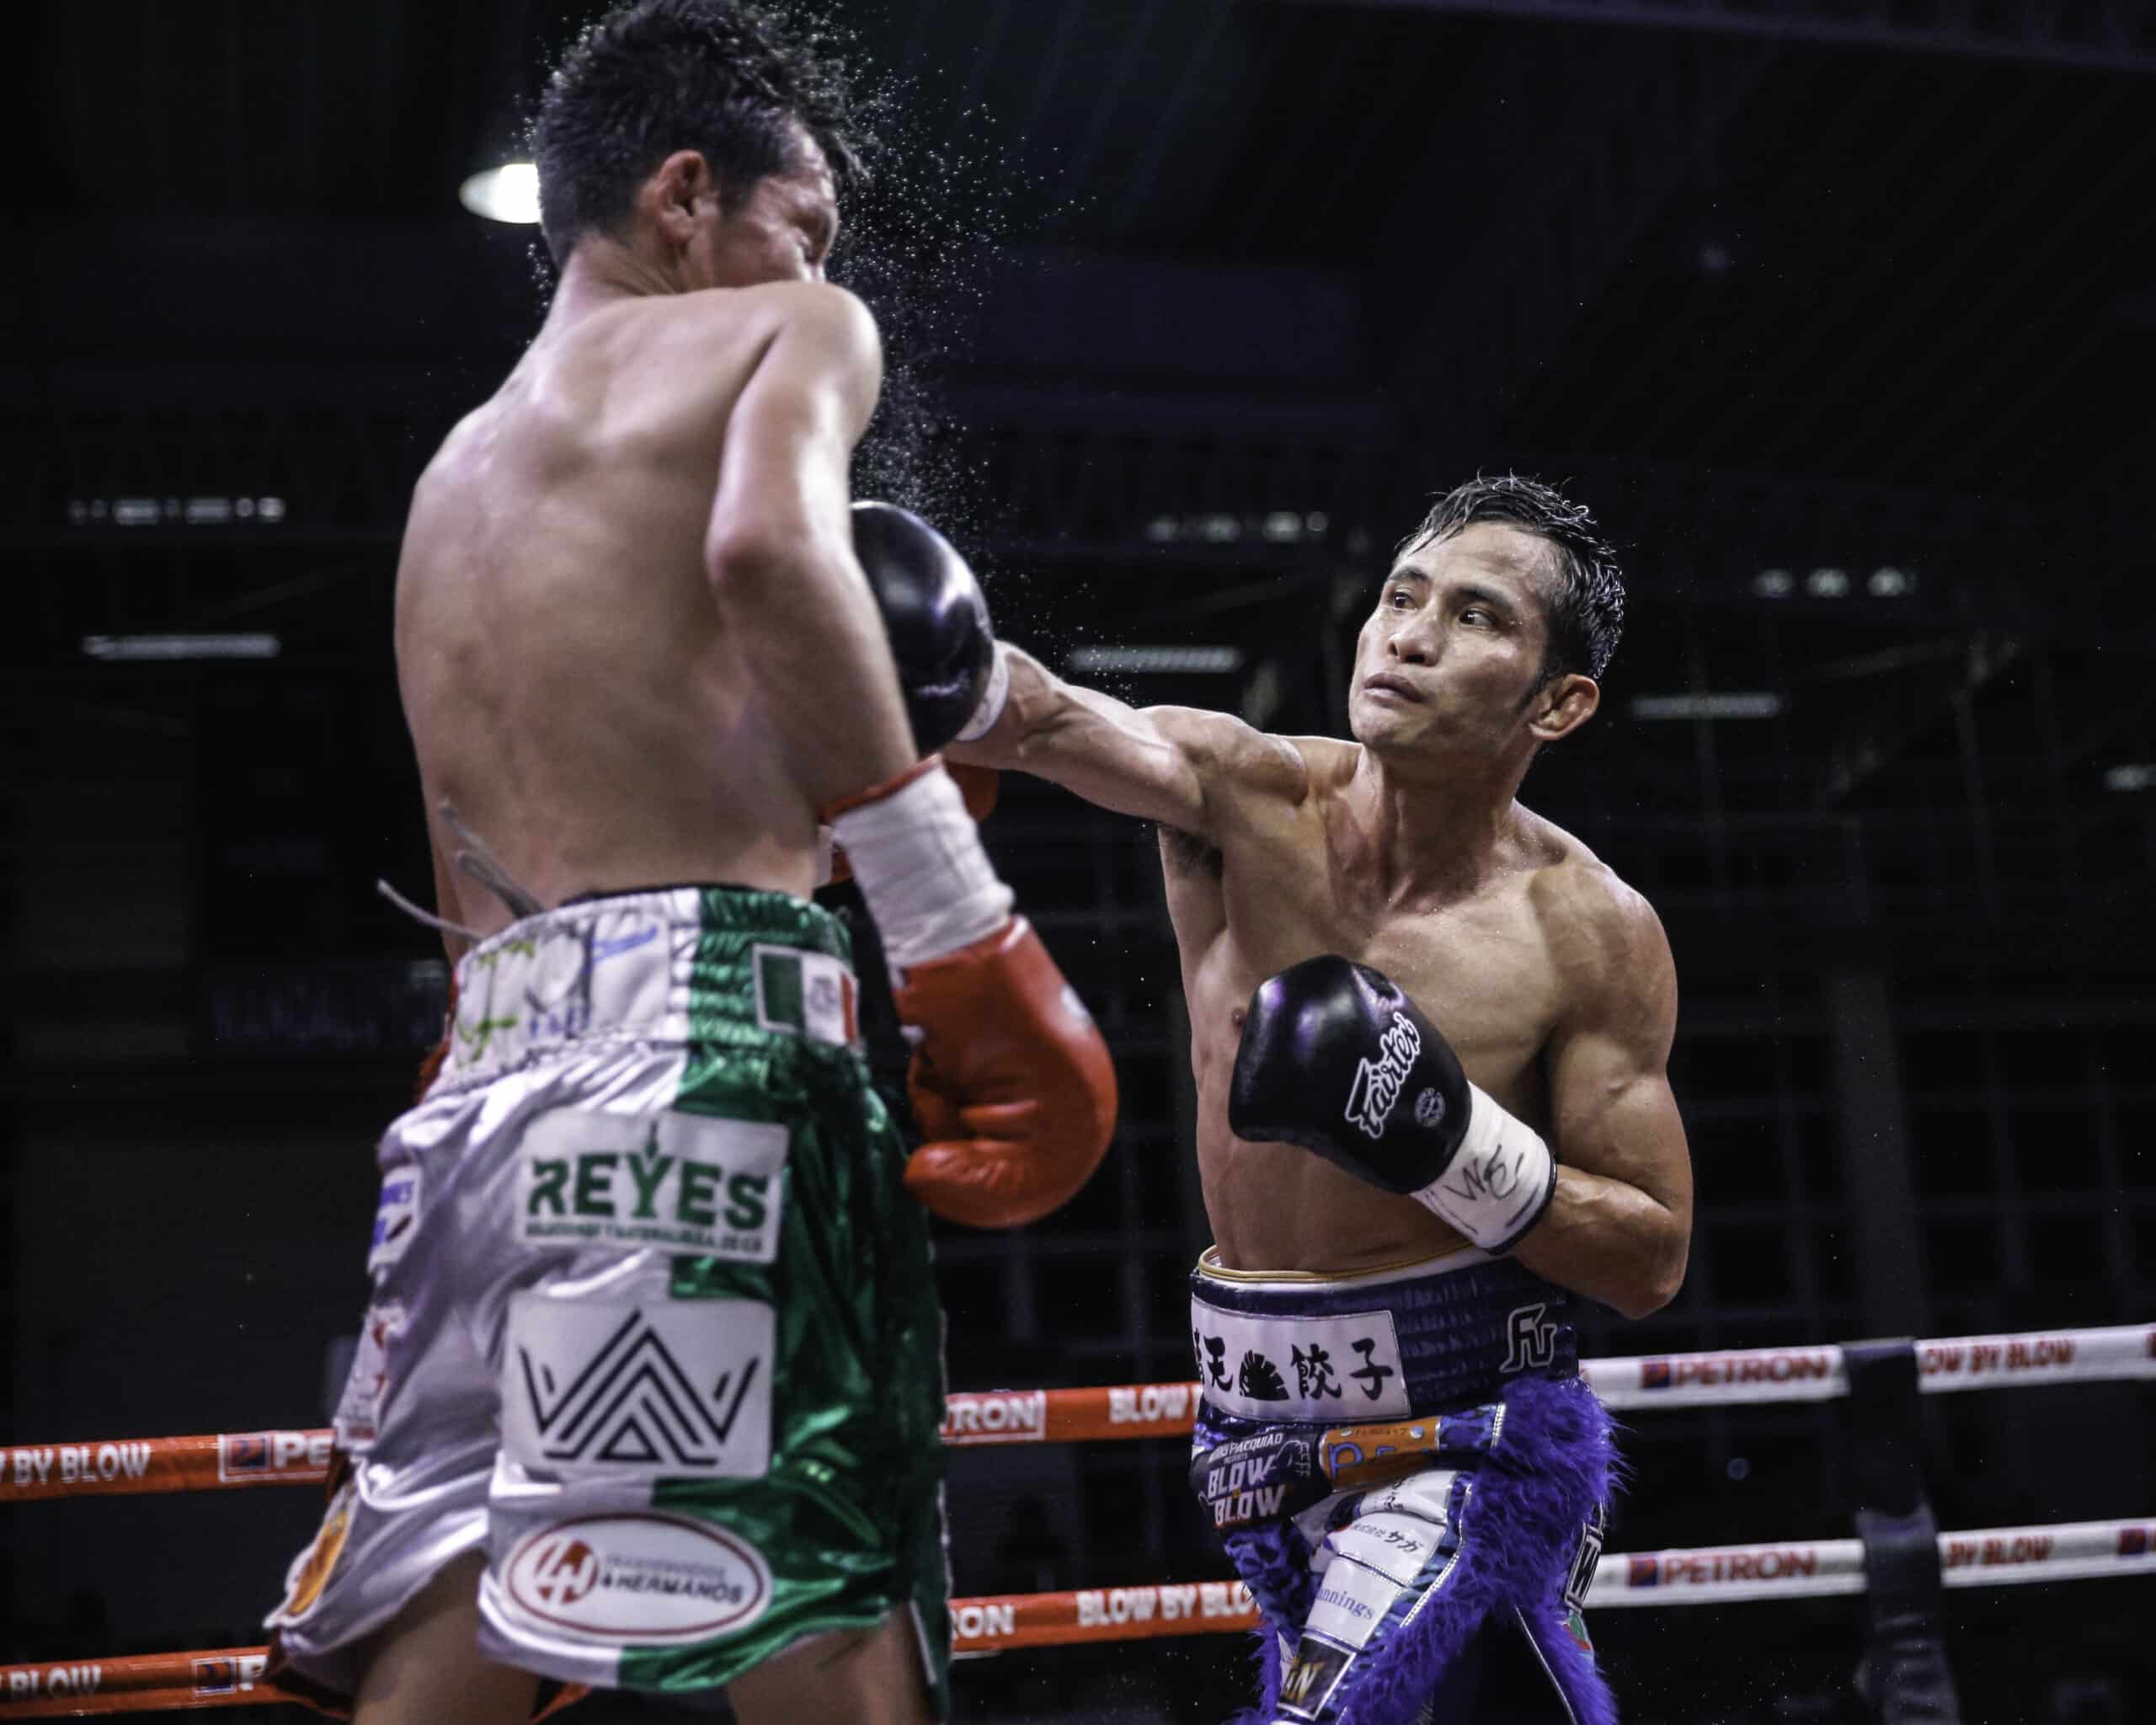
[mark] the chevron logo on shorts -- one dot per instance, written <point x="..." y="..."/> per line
<point x="670" y="1387"/>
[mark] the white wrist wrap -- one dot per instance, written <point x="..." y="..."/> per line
<point x="991" y="699"/>
<point x="1499" y="1181"/>
<point x="916" y="854"/>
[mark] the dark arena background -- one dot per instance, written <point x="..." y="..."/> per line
<point x="1841" y="313"/>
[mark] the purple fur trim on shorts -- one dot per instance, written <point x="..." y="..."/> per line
<point x="1267" y="1648"/>
<point x="1554" y="1461"/>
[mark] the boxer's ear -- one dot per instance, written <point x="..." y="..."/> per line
<point x="671" y="194"/>
<point x="1562" y="706"/>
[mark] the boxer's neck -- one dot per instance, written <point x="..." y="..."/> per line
<point x="1436" y="834"/>
<point x="602" y="271"/>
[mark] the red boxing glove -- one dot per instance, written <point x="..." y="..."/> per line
<point x="978" y="785"/>
<point x="1011" y="1082"/>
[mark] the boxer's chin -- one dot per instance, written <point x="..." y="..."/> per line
<point x="1377" y="724"/>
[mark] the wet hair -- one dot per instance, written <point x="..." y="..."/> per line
<point x="1586" y="600"/>
<point x="729" y="78"/>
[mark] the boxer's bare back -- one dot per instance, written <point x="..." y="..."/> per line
<point x="576" y="686"/>
<point x="636" y="650"/>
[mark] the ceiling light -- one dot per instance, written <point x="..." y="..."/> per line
<point x="1749" y="704"/>
<point x="508" y="192"/>
<point x="1772" y="584"/>
<point x="140" y="647"/>
<point x="1157" y="660"/>
<point x="192" y="511"/>
<point x="2134" y="776"/>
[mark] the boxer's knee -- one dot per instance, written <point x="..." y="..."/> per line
<point x="870" y="1676"/>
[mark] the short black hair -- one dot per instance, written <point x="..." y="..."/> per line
<point x="728" y="77"/>
<point x="1587" y="604"/>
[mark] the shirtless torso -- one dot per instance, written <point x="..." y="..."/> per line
<point x="569" y="685"/>
<point x="1408" y="852"/>
<point x="1484" y="962"/>
<point x="633" y="642"/>
<point x="637" y="650"/>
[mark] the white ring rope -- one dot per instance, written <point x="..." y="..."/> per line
<point x="1821" y="1374"/>
<point x="1793" y="1569"/>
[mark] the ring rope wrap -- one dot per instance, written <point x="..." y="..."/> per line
<point x="1706" y="1575"/>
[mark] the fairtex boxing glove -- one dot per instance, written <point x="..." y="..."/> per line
<point x="934" y="617"/>
<point x="1335" y="1059"/>
<point x="936" y="620"/>
<point x="1010" y="1081"/>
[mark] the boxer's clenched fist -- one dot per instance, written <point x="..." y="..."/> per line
<point x="1336" y="1058"/>
<point x="1011" y="1082"/>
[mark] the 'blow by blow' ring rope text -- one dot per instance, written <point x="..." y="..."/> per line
<point x="999" y="1623"/>
<point x="231" y="1460"/>
<point x="1720" y="1574"/>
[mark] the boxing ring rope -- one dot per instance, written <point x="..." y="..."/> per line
<point x="229" y="1460"/>
<point x="1707" y="1575"/>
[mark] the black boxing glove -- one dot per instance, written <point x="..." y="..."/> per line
<point x="934" y="613"/>
<point x="1336" y="1059"/>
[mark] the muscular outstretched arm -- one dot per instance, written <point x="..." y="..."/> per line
<point x="1620" y="1228"/>
<point x="779" y="549"/>
<point x="1168" y="764"/>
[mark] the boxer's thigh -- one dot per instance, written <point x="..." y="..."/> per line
<point x="867" y="1677"/>
<point x="426" y="1666"/>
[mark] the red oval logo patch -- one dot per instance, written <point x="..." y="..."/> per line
<point x="643" y="1579"/>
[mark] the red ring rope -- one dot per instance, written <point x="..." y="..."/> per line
<point x="1002" y="1622"/>
<point x="226" y="1460"/>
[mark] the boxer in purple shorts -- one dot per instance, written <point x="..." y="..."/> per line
<point x="1430" y="1032"/>
<point x="1448" y="1540"/>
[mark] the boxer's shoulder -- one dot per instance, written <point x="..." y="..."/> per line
<point x="1603" y="936"/>
<point x="1233" y="759"/>
<point x="677" y="359"/>
<point x="823" y="314"/>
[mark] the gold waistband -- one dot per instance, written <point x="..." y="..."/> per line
<point x="1458" y="1257"/>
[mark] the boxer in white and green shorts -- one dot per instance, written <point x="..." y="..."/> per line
<point x="653" y="1321"/>
<point x="649" y="1391"/>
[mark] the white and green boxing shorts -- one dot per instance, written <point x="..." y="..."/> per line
<point x="653" y="1321"/>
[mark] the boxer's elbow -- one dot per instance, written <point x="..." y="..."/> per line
<point x="1659" y="1272"/>
<point x="744" y="560"/>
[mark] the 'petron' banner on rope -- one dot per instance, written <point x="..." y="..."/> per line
<point x="226" y="1460"/>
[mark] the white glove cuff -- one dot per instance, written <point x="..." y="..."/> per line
<point x="992" y="698"/>
<point x="1500" y="1180"/>
<point x="917" y="857"/>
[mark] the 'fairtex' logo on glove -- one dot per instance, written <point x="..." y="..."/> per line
<point x="1377" y="1086"/>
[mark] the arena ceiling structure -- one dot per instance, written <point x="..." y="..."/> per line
<point x="1844" y="316"/>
